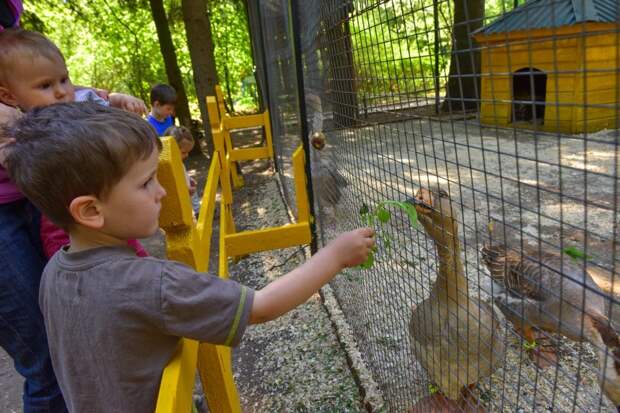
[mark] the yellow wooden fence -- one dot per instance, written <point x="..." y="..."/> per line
<point x="189" y="242"/>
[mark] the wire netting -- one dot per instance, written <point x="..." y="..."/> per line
<point x="504" y="294"/>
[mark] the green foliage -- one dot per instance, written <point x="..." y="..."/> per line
<point x="394" y="46"/>
<point x="113" y="44"/>
<point x="233" y="53"/>
<point x="381" y="215"/>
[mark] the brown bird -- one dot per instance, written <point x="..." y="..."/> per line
<point x="457" y="338"/>
<point x="326" y="178"/>
<point x="547" y="291"/>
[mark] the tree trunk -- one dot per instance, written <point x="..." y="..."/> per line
<point x="200" y="44"/>
<point x="170" y="61"/>
<point x="464" y="78"/>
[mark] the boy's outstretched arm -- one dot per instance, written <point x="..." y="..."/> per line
<point x="279" y="297"/>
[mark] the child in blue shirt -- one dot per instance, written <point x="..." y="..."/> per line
<point x="163" y="99"/>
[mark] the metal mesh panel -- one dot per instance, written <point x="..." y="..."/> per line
<point x="512" y="108"/>
<point x="278" y="79"/>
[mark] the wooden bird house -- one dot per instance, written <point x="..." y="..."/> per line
<point x="552" y="65"/>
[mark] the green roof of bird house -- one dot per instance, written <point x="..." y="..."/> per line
<point x="546" y="14"/>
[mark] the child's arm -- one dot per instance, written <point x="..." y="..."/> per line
<point x="279" y="297"/>
<point x="128" y="103"/>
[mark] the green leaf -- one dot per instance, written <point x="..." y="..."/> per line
<point x="369" y="261"/>
<point x="383" y="215"/>
<point x="364" y="209"/>
<point x="405" y="206"/>
<point x="387" y="240"/>
<point x="576" y="253"/>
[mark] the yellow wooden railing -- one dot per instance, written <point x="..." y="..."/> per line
<point x="189" y="242"/>
<point x="231" y="123"/>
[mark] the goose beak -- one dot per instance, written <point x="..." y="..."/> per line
<point x="422" y="201"/>
<point x="414" y="201"/>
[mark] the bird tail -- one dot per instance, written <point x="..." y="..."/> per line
<point x="607" y="341"/>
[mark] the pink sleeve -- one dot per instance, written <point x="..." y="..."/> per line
<point x="53" y="238"/>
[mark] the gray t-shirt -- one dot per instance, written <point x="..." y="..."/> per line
<point x="113" y="321"/>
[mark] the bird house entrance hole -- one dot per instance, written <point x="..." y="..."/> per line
<point x="529" y="91"/>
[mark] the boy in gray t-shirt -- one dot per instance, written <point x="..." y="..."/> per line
<point x="113" y="319"/>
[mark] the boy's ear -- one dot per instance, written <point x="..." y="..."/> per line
<point x="85" y="211"/>
<point x="7" y="97"/>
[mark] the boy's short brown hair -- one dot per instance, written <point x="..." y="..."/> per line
<point x="164" y="94"/>
<point x="68" y="150"/>
<point x="16" y="44"/>
<point x="179" y="133"/>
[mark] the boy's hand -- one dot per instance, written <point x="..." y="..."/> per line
<point x="128" y="103"/>
<point x="353" y="247"/>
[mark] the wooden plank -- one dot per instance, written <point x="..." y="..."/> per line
<point x="176" y="208"/>
<point x="177" y="382"/>
<point x="600" y="96"/>
<point x="266" y="239"/>
<point x="214" y="113"/>
<point x="268" y="138"/>
<point x="241" y="122"/>
<point x="248" y="154"/>
<point x="215" y="367"/>
<point x="607" y="39"/>
<point x="204" y="226"/>
<point x="301" y="194"/>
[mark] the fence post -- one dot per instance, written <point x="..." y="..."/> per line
<point x="303" y="119"/>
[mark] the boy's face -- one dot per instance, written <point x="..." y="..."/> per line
<point x="161" y="112"/>
<point x="185" y="147"/>
<point x="38" y="81"/>
<point x="131" y="209"/>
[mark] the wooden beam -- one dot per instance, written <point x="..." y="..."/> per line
<point x="249" y="154"/>
<point x="266" y="239"/>
<point x="177" y="381"/>
<point x="246" y="121"/>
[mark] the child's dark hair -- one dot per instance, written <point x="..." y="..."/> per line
<point x="68" y="150"/>
<point x="16" y="43"/>
<point x="179" y="133"/>
<point x="164" y="94"/>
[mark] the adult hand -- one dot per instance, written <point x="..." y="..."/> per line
<point x="128" y="103"/>
<point x="4" y="144"/>
<point x="7" y="114"/>
<point x="102" y="93"/>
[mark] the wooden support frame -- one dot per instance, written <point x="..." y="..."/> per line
<point x="230" y="123"/>
<point x="190" y="243"/>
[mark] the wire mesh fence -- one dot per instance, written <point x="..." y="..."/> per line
<point x="498" y="121"/>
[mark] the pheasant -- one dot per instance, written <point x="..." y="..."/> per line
<point x="457" y="338"/>
<point x="546" y="291"/>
